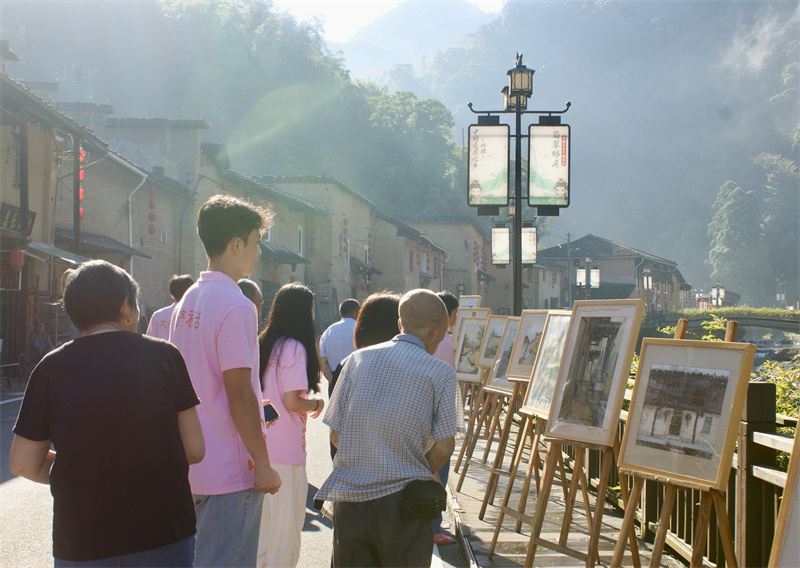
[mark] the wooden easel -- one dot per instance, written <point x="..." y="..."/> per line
<point x="595" y="520"/>
<point x="533" y="428"/>
<point x="497" y="467"/>
<point x="477" y="416"/>
<point x="493" y="400"/>
<point x="708" y="498"/>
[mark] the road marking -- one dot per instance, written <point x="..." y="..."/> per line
<point x="11" y="400"/>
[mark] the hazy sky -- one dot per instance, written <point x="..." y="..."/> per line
<point x="343" y="18"/>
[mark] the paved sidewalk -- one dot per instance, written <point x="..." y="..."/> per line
<point x="511" y="549"/>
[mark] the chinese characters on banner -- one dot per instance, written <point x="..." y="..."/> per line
<point x="501" y="245"/>
<point x="11" y="218"/>
<point x="548" y="163"/>
<point x="528" y="245"/>
<point x="487" y="173"/>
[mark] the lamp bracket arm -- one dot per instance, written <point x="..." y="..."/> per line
<point x="549" y="112"/>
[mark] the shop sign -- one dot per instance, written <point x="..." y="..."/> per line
<point x="11" y="218"/>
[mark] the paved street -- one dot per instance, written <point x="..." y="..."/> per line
<point x="26" y="508"/>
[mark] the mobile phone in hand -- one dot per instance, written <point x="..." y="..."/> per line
<point x="270" y="414"/>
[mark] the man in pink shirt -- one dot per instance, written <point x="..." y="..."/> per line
<point x="214" y="326"/>
<point x="159" y="321"/>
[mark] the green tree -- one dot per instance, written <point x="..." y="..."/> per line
<point x="738" y="255"/>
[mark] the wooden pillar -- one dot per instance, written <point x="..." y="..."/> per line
<point x="755" y="514"/>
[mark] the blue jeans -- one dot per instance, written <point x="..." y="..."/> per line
<point x="443" y="473"/>
<point x="177" y="555"/>
<point x="227" y="529"/>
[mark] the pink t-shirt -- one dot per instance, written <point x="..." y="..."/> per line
<point x="159" y="323"/>
<point x="214" y="327"/>
<point x="286" y="372"/>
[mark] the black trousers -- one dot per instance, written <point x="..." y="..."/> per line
<point x="373" y="534"/>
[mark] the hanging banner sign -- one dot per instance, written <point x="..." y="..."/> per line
<point x="501" y="245"/>
<point x="528" y="245"/>
<point x="11" y="218"/>
<point x="487" y="173"/>
<point x="548" y="165"/>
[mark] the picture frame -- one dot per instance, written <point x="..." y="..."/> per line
<point x="594" y="370"/>
<point x="495" y="327"/>
<point x="469" y="302"/>
<point x="544" y="374"/>
<point x="462" y="313"/>
<point x="785" y="551"/>
<point x="468" y="351"/>
<point x="498" y="376"/>
<point x="685" y="410"/>
<point x="526" y="344"/>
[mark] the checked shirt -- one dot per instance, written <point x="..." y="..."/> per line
<point x="392" y="402"/>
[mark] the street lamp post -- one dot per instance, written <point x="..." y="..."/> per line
<point x="515" y="100"/>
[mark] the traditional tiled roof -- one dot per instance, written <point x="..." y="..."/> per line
<point x="15" y="92"/>
<point x="85" y="107"/>
<point x="96" y="240"/>
<point x="270" y="193"/>
<point x="280" y="254"/>
<point x="147" y="122"/>
<point x="410" y="232"/>
<point x="598" y="247"/>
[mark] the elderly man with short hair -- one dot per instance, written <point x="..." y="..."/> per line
<point x="393" y="416"/>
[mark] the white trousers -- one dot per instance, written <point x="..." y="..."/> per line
<point x="282" y="519"/>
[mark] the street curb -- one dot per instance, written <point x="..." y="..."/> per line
<point x="462" y="530"/>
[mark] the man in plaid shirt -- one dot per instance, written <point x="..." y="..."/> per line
<point x="393" y="419"/>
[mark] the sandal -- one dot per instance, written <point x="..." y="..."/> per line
<point x="442" y="538"/>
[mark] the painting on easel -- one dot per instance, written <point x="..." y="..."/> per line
<point x="498" y="376"/>
<point x="785" y="547"/>
<point x="548" y="360"/>
<point x="491" y="340"/>
<point x="469" y="346"/>
<point x="526" y="344"/>
<point x="593" y="374"/>
<point x="462" y="313"/>
<point x="469" y="301"/>
<point x="685" y="409"/>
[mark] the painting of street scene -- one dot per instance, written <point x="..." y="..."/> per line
<point x="545" y="371"/>
<point x="682" y="409"/>
<point x="591" y="371"/>
<point x="498" y="377"/>
<point x="469" y="347"/>
<point x="526" y="345"/>
<point x="491" y="341"/>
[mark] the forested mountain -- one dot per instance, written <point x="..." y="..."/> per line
<point x="671" y="101"/>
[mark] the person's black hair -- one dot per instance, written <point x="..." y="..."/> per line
<point x="291" y="316"/>
<point x="249" y="288"/>
<point x="378" y="319"/>
<point x="450" y="301"/>
<point x="178" y="285"/>
<point x="225" y="217"/>
<point x="349" y="307"/>
<point x="95" y="291"/>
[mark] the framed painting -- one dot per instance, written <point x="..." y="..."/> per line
<point x="498" y="376"/>
<point x="785" y="547"/>
<point x="495" y="327"/>
<point x="462" y="313"/>
<point x="594" y="369"/>
<point x="685" y="410"/>
<point x="548" y="360"/>
<point x="468" y="350"/>
<point x="469" y="302"/>
<point x="526" y="344"/>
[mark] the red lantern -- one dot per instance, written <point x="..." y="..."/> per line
<point x="369" y="287"/>
<point x="313" y="249"/>
<point x="486" y="289"/>
<point x="152" y="191"/>
<point x="345" y="248"/>
<point x="276" y="279"/>
<point x="363" y="285"/>
<point x="152" y="204"/>
<point x="419" y="262"/>
<point x="152" y="228"/>
<point x="152" y="216"/>
<point x="125" y="265"/>
<point x="16" y="258"/>
<point x="369" y="258"/>
<point x="80" y="193"/>
<point x="81" y="175"/>
<point x="80" y="212"/>
<point x="346" y="221"/>
<point x="345" y="230"/>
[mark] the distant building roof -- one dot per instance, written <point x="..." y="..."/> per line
<point x="317" y="179"/>
<point x="96" y="241"/>
<point x="190" y="123"/>
<point x="270" y="193"/>
<point x="86" y="107"/>
<point x="593" y="246"/>
<point x="42" y="86"/>
<point x="280" y="254"/>
<point x="410" y="232"/>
